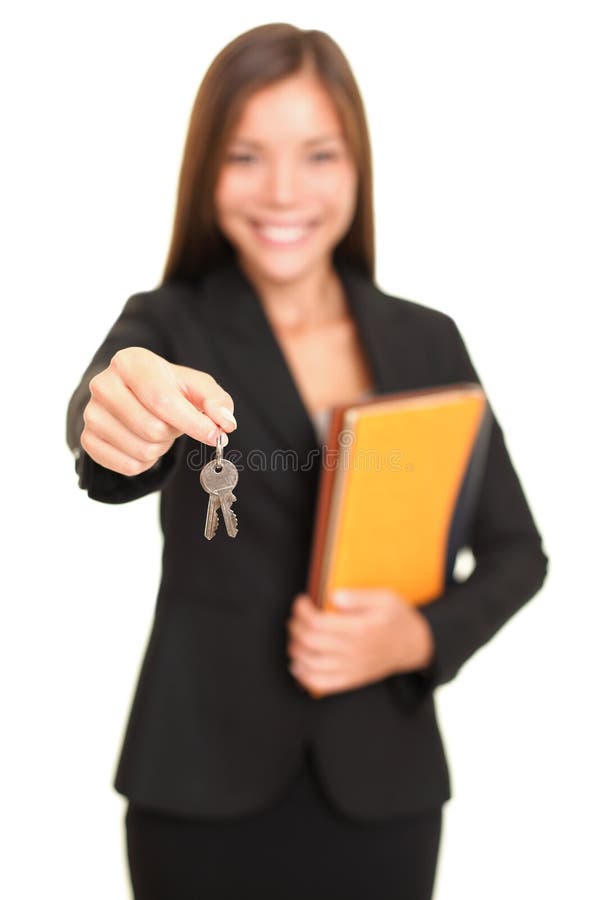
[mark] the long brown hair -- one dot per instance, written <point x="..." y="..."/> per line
<point x="253" y="60"/>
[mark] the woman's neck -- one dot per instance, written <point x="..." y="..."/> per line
<point x="307" y="303"/>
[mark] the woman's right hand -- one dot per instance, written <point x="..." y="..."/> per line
<point x="141" y="403"/>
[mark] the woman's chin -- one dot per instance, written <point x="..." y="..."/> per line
<point x="286" y="266"/>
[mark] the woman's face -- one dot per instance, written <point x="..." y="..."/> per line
<point x="286" y="191"/>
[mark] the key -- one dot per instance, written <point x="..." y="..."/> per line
<point x="218" y="478"/>
<point x="219" y="484"/>
<point x="212" y="519"/>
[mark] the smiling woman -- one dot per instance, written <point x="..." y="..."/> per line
<point x="288" y="204"/>
<point x="240" y="783"/>
<point x="277" y="138"/>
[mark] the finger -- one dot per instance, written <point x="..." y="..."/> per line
<point x="324" y="621"/>
<point x="311" y="641"/>
<point x="110" y="457"/>
<point x="123" y="422"/>
<point x="311" y="667"/>
<point x="303" y="602"/>
<point x="164" y="391"/>
<point x="117" y="398"/>
<point x="206" y="394"/>
<point x="352" y="600"/>
<point x="102" y="424"/>
<point x="303" y="610"/>
<point x="323" y="682"/>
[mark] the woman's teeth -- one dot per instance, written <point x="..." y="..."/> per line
<point x="283" y="235"/>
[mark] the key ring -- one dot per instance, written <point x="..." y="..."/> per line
<point x="219" y="448"/>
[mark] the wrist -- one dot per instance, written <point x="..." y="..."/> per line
<point x="427" y="645"/>
<point x="419" y="650"/>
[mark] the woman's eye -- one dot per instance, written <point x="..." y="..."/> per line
<point x="323" y="155"/>
<point x="240" y="157"/>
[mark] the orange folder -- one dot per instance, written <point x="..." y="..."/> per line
<point x="400" y="476"/>
<point x="398" y="487"/>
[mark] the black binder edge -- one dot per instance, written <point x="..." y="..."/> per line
<point x="466" y="505"/>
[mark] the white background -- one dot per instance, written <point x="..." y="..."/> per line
<point x="484" y="126"/>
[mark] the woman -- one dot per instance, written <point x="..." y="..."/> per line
<point x="240" y="784"/>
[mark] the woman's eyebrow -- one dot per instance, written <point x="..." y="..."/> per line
<point x="314" y="140"/>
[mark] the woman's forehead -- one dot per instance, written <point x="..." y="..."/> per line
<point x="298" y="107"/>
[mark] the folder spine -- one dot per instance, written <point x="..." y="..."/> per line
<point x="466" y="504"/>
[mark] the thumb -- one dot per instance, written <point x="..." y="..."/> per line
<point x="350" y="598"/>
<point x="206" y="395"/>
<point x="363" y="599"/>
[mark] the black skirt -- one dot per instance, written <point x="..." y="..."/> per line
<point x="300" y="848"/>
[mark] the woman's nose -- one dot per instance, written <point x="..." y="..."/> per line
<point x="281" y="182"/>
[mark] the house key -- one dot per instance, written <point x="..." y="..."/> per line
<point x="218" y="478"/>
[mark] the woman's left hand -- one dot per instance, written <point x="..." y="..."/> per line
<point x="376" y="634"/>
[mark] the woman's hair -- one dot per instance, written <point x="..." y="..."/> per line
<point x="253" y="60"/>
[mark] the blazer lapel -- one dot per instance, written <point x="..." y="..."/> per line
<point x="250" y="354"/>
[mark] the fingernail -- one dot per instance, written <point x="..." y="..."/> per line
<point x="227" y="414"/>
<point x="212" y="436"/>
<point x="341" y="598"/>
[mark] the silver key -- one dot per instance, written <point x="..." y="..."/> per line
<point x="212" y="519"/>
<point x="219" y="482"/>
<point x="218" y="478"/>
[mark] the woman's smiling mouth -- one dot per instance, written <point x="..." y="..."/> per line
<point x="282" y="235"/>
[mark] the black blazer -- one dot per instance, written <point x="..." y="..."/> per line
<point x="218" y="725"/>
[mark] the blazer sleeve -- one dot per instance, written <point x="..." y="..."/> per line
<point x="138" y="325"/>
<point x="510" y="563"/>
